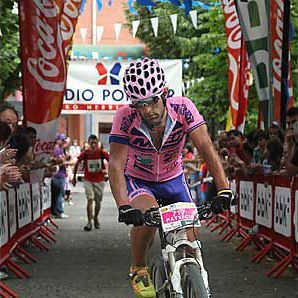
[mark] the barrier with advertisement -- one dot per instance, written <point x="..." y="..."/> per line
<point x="267" y="216"/>
<point x="24" y="215"/>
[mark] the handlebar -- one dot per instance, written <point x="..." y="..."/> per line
<point x="152" y="216"/>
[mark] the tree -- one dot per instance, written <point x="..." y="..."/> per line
<point x="9" y="49"/>
<point x="204" y="49"/>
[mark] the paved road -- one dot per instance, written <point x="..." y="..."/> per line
<point x="95" y="264"/>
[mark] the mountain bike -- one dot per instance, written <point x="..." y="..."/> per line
<point x="178" y="271"/>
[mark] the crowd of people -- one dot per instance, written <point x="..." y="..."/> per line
<point x="18" y="164"/>
<point x="267" y="152"/>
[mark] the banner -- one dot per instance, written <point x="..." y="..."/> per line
<point x="253" y="17"/>
<point x="24" y="204"/>
<point x="277" y="33"/>
<point x="69" y="18"/>
<point x="3" y="219"/>
<point x="46" y="197"/>
<point x="282" y="211"/>
<point x="246" y="192"/>
<point x="46" y="30"/>
<point x="12" y="211"/>
<point x="97" y="85"/>
<point x="238" y="66"/>
<point x="264" y="203"/>
<point x="35" y="194"/>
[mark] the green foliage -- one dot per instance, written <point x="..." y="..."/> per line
<point x="206" y="67"/>
<point x="9" y="49"/>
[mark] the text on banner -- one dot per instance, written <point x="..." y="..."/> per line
<point x="3" y="219"/>
<point x="264" y="205"/>
<point x="282" y="211"/>
<point x="24" y="204"/>
<point x="12" y="211"/>
<point x="246" y="190"/>
<point x="36" y="200"/>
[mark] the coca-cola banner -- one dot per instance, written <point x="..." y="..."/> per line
<point x="253" y="17"/>
<point x="277" y="33"/>
<point x="46" y="30"/>
<point x="238" y="66"/>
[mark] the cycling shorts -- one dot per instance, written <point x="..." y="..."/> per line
<point x="166" y="193"/>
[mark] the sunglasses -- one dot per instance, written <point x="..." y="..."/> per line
<point x="146" y="102"/>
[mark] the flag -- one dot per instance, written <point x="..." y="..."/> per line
<point x="46" y="30"/>
<point x="253" y="18"/>
<point x="238" y="66"/>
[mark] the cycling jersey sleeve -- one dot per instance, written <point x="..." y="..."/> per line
<point x="120" y="127"/>
<point x="193" y="119"/>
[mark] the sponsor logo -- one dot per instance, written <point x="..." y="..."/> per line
<point x="113" y="74"/>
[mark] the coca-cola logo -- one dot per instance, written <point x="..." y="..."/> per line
<point x="46" y="67"/>
<point x="69" y="16"/>
<point x="232" y="24"/>
<point x="277" y="44"/>
<point x="43" y="147"/>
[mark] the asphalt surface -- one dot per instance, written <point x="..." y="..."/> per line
<point x="96" y="263"/>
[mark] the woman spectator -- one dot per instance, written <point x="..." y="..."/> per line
<point x="274" y="154"/>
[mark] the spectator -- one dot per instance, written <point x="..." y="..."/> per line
<point x="274" y="154"/>
<point x="58" y="181"/>
<point x="275" y="131"/>
<point x="222" y="140"/>
<point x="235" y="143"/>
<point x="188" y="153"/>
<point x="94" y="178"/>
<point x="9" y="116"/>
<point x="260" y="151"/>
<point x="75" y="150"/>
<point x="290" y="158"/>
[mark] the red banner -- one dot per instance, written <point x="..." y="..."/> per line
<point x="277" y="30"/>
<point x="69" y="18"/>
<point x="238" y="65"/>
<point x="46" y="31"/>
<point x="43" y="60"/>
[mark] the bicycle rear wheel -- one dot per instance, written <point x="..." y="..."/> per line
<point x="192" y="282"/>
<point x="158" y="276"/>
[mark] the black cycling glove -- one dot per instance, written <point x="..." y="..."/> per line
<point x="130" y="215"/>
<point x="222" y="201"/>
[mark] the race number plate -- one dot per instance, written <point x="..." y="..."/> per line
<point x="179" y="215"/>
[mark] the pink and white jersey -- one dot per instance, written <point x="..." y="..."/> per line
<point x="144" y="160"/>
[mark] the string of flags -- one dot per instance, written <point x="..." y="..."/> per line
<point x="154" y="21"/>
<point x="183" y="4"/>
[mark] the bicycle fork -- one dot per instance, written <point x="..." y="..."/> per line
<point x="175" y="265"/>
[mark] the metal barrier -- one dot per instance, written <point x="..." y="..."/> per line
<point x="24" y="216"/>
<point x="267" y="216"/>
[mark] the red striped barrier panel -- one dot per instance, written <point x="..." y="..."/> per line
<point x="24" y="214"/>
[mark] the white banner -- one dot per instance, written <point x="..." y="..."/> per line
<point x="246" y="190"/>
<point x="46" y="197"/>
<point x="3" y="219"/>
<point x="35" y="191"/>
<point x="296" y="216"/>
<point x="264" y="205"/>
<point x="12" y="211"/>
<point x="24" y="204"/>
<point x="97" y="85"/>
<point x="282" y="211"/>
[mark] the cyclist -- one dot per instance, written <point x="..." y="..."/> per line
<point x="146" y="144"/>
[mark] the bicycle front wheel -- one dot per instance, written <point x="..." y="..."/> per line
<point x="192" y="282"/>
<point x="158" y="276"/>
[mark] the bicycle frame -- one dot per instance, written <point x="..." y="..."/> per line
<point x="170" y="242"/>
